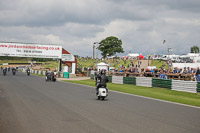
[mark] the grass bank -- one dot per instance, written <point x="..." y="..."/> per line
<point x="157" y="93"/>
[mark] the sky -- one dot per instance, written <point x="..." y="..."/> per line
<point x="142" y="25"/>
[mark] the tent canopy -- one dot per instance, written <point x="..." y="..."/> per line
<point x="140" y="57"/>
<point x="102" y="65"/>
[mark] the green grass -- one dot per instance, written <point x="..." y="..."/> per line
<point x="157" y="93"/>
<point x="158" y="63"/>
<point x="51" y="64"/>
<point x="41" y="75"/>
<point x="86" y="63"/>
<point x="13" y="61"/>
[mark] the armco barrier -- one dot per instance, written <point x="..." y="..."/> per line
<point x="186" y="86"/>
<point x="162" y="83"/>
<point x="117" y="79"/>
<point x="129" y="80"/>
<point x="43" y="72"/>
<point x="198" y="86"/>
<point x="36" y="71"/>
<point x="109" y="78"/>
<point x="144" y="81"/>
<point x="92" y="76"/>
<point x="39" y="72"/>
<point x="178" y="85"/>
<point x="24" y="70"/>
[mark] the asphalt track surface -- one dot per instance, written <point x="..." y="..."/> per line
<point x="28" y="104"/>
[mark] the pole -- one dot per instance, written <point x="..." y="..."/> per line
<point x="93" y="54"/>
<point x="168" y="57"/>
<point x="93" y="51"/>
<point x="95" y="43"/>
<point x="96" y="53"/>
<point x="59" y="65"/>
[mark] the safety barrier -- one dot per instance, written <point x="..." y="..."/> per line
<point x="43" y="72"/>
<point x="109" y="78"/>
<point x="144" y="81"/>
<point x="39" y="72"/>
<point x="162" y="83"/>
<point x="92" y="76"/>
<point x="129" y="80"/>
<point x="186" y="86"/>
<point x="198" y="86"/>
<point x="117" y="79"/>
<point x="36" y="71"/>
<point x="178" y="85"/>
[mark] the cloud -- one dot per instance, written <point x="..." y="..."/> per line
<point x="142" y="25"/>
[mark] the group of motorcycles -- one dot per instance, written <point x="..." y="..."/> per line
<point x="101" y="89"/>
<point x="8" y="69"/>
<point x="14" y="70"/>
<point x="50" y="76"/>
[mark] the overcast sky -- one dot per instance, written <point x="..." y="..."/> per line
<point x="142" y="25"/>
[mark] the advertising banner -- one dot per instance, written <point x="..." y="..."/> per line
<point x="30" y="50"/>
<point x="68" y="57"/>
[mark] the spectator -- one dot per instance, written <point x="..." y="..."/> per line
<point x="189" y="70"/>
<point x="184" y="70"/>
<point x="175" y="70"/>
<point x="136" y="70"/>
<point x="162" y="75"/>
<point x="193" y="71"/>
<point x="198" y="75"/>
<point x="180" y="71"/>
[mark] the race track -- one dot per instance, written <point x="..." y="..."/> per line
<point x="28" y="104"/>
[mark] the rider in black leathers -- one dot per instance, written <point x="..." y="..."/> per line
<point x="14" y="70"/>
<point x="102" y="80"/>
<point x="4" y="71"/>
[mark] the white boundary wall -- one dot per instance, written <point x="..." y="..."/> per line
<point x="44" y="72"/>
<point x="182" y="65"/>
<point x="35" y="71"/>
<point x="117" y="79"/>
<point x="39" y="72"/>
<point x="144" y="81"/>
<point x="186" y="86"/>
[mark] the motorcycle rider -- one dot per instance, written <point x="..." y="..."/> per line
<point x="14" y="70"/>
<point x="48" y="75"/>
<point x="53" y="75"/>
<point x="4" y="71"/>
<point x="103" y="80"/>
<point x="28" y="70"/>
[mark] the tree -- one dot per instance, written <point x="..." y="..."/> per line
<point x="194" y="49"/>
<point x="110" y="46"/>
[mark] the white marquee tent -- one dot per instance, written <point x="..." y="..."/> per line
<point x="102" y="65"/>
<point x="182" y="65"/>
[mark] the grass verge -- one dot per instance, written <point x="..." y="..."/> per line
<point x="38" y="75"/>
<point x="157" y="93"/>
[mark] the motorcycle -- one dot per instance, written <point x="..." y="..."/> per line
<point x="4" y="72"/>
<point x="50" y="76"/>
<point x="28" y="72"/>
<point x="14" y="72"/>
<point x="54" y="77"/>
<point x="102" y="93"/>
